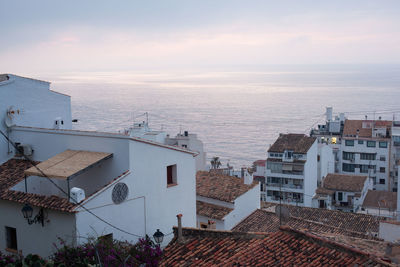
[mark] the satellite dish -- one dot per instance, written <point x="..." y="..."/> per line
<point x="9" y="119"/>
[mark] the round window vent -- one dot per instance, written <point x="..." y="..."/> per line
<point x="119" y="193"/>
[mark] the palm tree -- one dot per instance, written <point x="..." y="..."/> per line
<point x="215" y="163"/>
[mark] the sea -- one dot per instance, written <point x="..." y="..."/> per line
<point x="237" y="112"/>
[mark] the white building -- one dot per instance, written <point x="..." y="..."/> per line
<point x="326" y="161"/>
<point x="186" y="141"/>
<point x="30" y="102"/>
<point x="223" y="201"/>
<point x="365" y="151"/>
<point x="292" y="170"/>
<point x="342" y="192"/>
<point x="134" y="186"/>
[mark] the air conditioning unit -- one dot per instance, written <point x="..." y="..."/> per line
<point x="77" y="195"/>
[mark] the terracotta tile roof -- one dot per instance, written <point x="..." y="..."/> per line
<point x="351" y="127"/>
<point x="211" y="210"/>
<point x="313" y="220"/>
<point x="298" y="143"/>
<point x="286" y="247"/>
<point x="260" y="162"/>
<point x="343" y="182"/>
<point x="221" y="187"/>
<point x="11" y="173"/>
<point x="380" y="199"/>
<point x="324" y="191"/>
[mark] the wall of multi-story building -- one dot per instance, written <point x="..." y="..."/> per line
<point x="311" y="174"/>
<point x="367" y="157"/>
<point x="326" y="161"/>
<point x="30" y="102"/>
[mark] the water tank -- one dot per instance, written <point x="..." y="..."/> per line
<point x="77" y="195"/>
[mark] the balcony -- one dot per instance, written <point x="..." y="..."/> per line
<point x="292" y="186"/>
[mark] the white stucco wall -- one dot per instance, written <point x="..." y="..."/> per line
<point x="326" y="163"/>
<point x="38" y="106"/>
<point x="389" y="232"/>
<point x="310" y="174"/>
<point x="243" y="207"/>
<point x="35" y="238"/>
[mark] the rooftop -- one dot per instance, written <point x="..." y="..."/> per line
<point x="221" y="187"/>
<point x="343" y="182"/>
<point x="314" y="220"/>
<point x="380" y="199"/>
<point x="260" y="162"/>
<point x="285" y="247"/>
<point x="211" y="210"/>
<point x="11" y="173"/>
<point x="298" y="143"/>
<point x="351" y="127"/>
<point x="68" y="164"/>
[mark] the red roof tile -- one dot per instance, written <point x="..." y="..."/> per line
<point x="286" y="247"/>
<point x="260" y="162"/>
<point x="344" y="182"/>
<point x="298" y="143"/>
<point x="380" y="199"/>
<point x="314" y="220"/>
<point x="211" y="210"/>
<point x="11" y="173"/>
<point x="351" y="127"/>
<point x="221" y="187"/>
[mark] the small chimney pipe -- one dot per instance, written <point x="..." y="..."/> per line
<point x="179" y="216"/>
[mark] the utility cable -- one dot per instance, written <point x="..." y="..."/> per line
<point x="65" y="193"/>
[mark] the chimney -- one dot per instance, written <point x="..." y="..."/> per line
<point x="179" y="216"/>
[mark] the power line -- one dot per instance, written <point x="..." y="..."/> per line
<point x="65" y="193"/>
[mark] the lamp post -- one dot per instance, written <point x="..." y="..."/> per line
<point x="27" y="212"/>
<point x="158" y="237"/>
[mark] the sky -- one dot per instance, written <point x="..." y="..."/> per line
<point x="51" y="36"/>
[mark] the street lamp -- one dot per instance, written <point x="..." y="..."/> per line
<point x="27" y="211"/>
<point x="158" y="237"/>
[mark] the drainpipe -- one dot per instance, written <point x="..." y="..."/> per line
<point x="179" y="216"/>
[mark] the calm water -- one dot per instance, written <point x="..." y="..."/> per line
<point x="237" y="114"/>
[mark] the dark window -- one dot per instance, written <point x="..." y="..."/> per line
<point x="382" y="181"/>
<point x="371" y="144"/>
<point x="318" y="158"/>
<point x="364" y="168"/>
<point x="269" y="193"/>
<point x="348" y="155"/>
<point x="382" y="158"/>
<point x="349" y="142"/>
<point x="367" y="156"/>
<point x="171" y="175"/>
<point x="11" y="235"/>
<point x="340" y="196"/>
<point x="348" y="167"/>
<point x="383" y="144"/>
<point x="360" y="142"/>
<point x="382" y="169"/>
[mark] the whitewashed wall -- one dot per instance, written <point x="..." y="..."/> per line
<point x="389" y="232"/>
<point x="38" y="106"/>
<point x="244" y="206"/>
<point x="35" y="238"/>
<point x="310" y="174"/>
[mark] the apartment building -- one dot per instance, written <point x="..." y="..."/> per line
<point x="365" y="150"/>
<point x="291" y="172"/>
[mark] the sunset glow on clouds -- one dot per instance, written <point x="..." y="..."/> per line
<point x="48" y="37"/>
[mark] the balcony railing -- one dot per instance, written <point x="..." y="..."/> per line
<point x="294" y="186"/>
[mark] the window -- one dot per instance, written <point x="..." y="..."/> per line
<point x="348" y="155"/>
<point x="368" y="156"/>
<point x="382" y="169"/>
<point x="171" y="175"/>
<point x="371" y="144"/>
<point x="383" y="144"/>
<point x="349" y="142"/>
<point x="382" y="158"/>
<point x="364" y="168"/>
<point x="340" y="196"/>
<point x="348" y="167"/>
<point x="381" y="181"/>
<point x="11" y="236"/>
<point x="203" y="225"/>
<point x="269" y="193"/>
<point x="360" y="142"/>
<point x="184" y="146"/>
